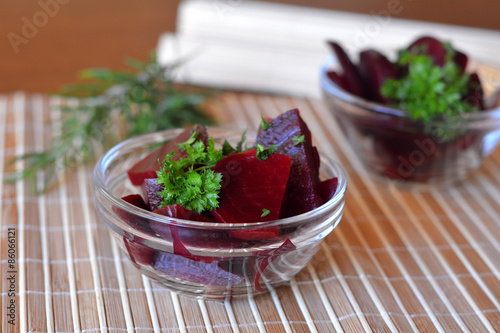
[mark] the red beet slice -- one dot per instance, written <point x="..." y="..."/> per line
<point x="151" y="188"/>
<point x="351" y="75"/>
<point x="180" y="212"/>
<point x="327" y="188"/>
<point x="375" y="69"/>
<point x="131" y="219"/>
<point x="179" y="234"/>
<point x="259" y="185"/>
<point x="267" y="257"/>
<point x="138" y="253"/>
<point x="461" y="60"/>
<point x="199" y="272"/>
<point x="136" y="200"/>
<point x="475" y="94"/>
<point x="302" y="194"/>
<point x="429" y="46"/>
<point x="147" y="167"/>
<point x="339" y="80"/>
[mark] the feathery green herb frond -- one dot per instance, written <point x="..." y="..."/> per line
<point x="113" y="105"/>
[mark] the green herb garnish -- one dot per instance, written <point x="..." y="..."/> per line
<point x="429" y="92"/>
<point x="263" y="153"/>
<point x="265" y="125"/>
<point x="265" y="212"/>
<point x="298" y="139"/>
<point x="227" y="149"/>
<point x="190" y="182"/>
<point x="113" y="105"/>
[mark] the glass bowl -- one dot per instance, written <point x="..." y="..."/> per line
<point x="393" y="147"/>
<point x="206" y="259"/>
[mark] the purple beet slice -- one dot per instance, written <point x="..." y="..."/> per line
<point x="151" y="188"/>
<point x="475" y="94"/>
<point x="138" y="253"/>
<point x="147" y="167"/>
<point x="375" y="69"/>
<point x="351" y="75"/>
<point x="264" y="258"/>
<point x="180" y="235"/>
<point x="429" y="46"/>
<point x="302" y="195"/>
<point x="136" y="222"/>
<point x="327" y="188"/>
<point x="259" y="185"/>
<point x="339" y="80"/>
<point x="461" y="60"/>
<point x="199" y="272"/>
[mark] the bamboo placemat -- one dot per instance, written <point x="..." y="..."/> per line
<point x="398" y="262"/>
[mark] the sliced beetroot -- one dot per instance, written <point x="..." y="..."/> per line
<point x="475" y="94"/>
<point x="259" y="185"/>
<point x="147" y="167"/>
<point x="302" y="194"/>
<point x="339" y="80"/>
<point x="199" y="272"/>
<point x="351" y="75"/>
<point x="461" y="60"/>
<point x="315" y="155"/>
<point x="138" y="253"/>
<point x="151" y="188"/>
<point x="327" y="188"/>
<point x="136" y="222"/>
<point x="437" y="50"/>
<point x="375" y="69"/>
<point x="179" y="235"/>
<point x="136" y="200"/>
<point x="429" y="46"/>
<point x="180" y="212"/>
<point x="264" y="258"/>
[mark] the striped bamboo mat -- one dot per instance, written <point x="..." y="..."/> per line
<point x="398" y="262"/>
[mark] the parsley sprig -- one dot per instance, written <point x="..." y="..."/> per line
<point x="263" y="153"/>
<point x="429" y="92"/>
<point x="190" y="182"/>
<point x="113" y="105"/>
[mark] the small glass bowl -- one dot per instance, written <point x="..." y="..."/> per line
<point x="204" y="259"/>
<point x="408" y="153"/>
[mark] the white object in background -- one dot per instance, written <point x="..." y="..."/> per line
<point x="268" y="47"/>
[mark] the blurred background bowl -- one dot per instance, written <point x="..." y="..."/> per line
<point x="409" y="153"/>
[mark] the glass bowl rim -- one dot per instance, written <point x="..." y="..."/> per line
<point x="149" y="138"/>
<point x="334" y="90"/>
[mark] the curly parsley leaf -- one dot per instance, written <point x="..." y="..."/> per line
<point x="298" y="139"/>
<point x="227" y="149"/>
<point x="265" y="124"/>
<point x="429" y="92"/>
<point x="190" y="182"/>
<point x="263" y="153"/>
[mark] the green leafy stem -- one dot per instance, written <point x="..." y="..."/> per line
<point x="112" y="105"/>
